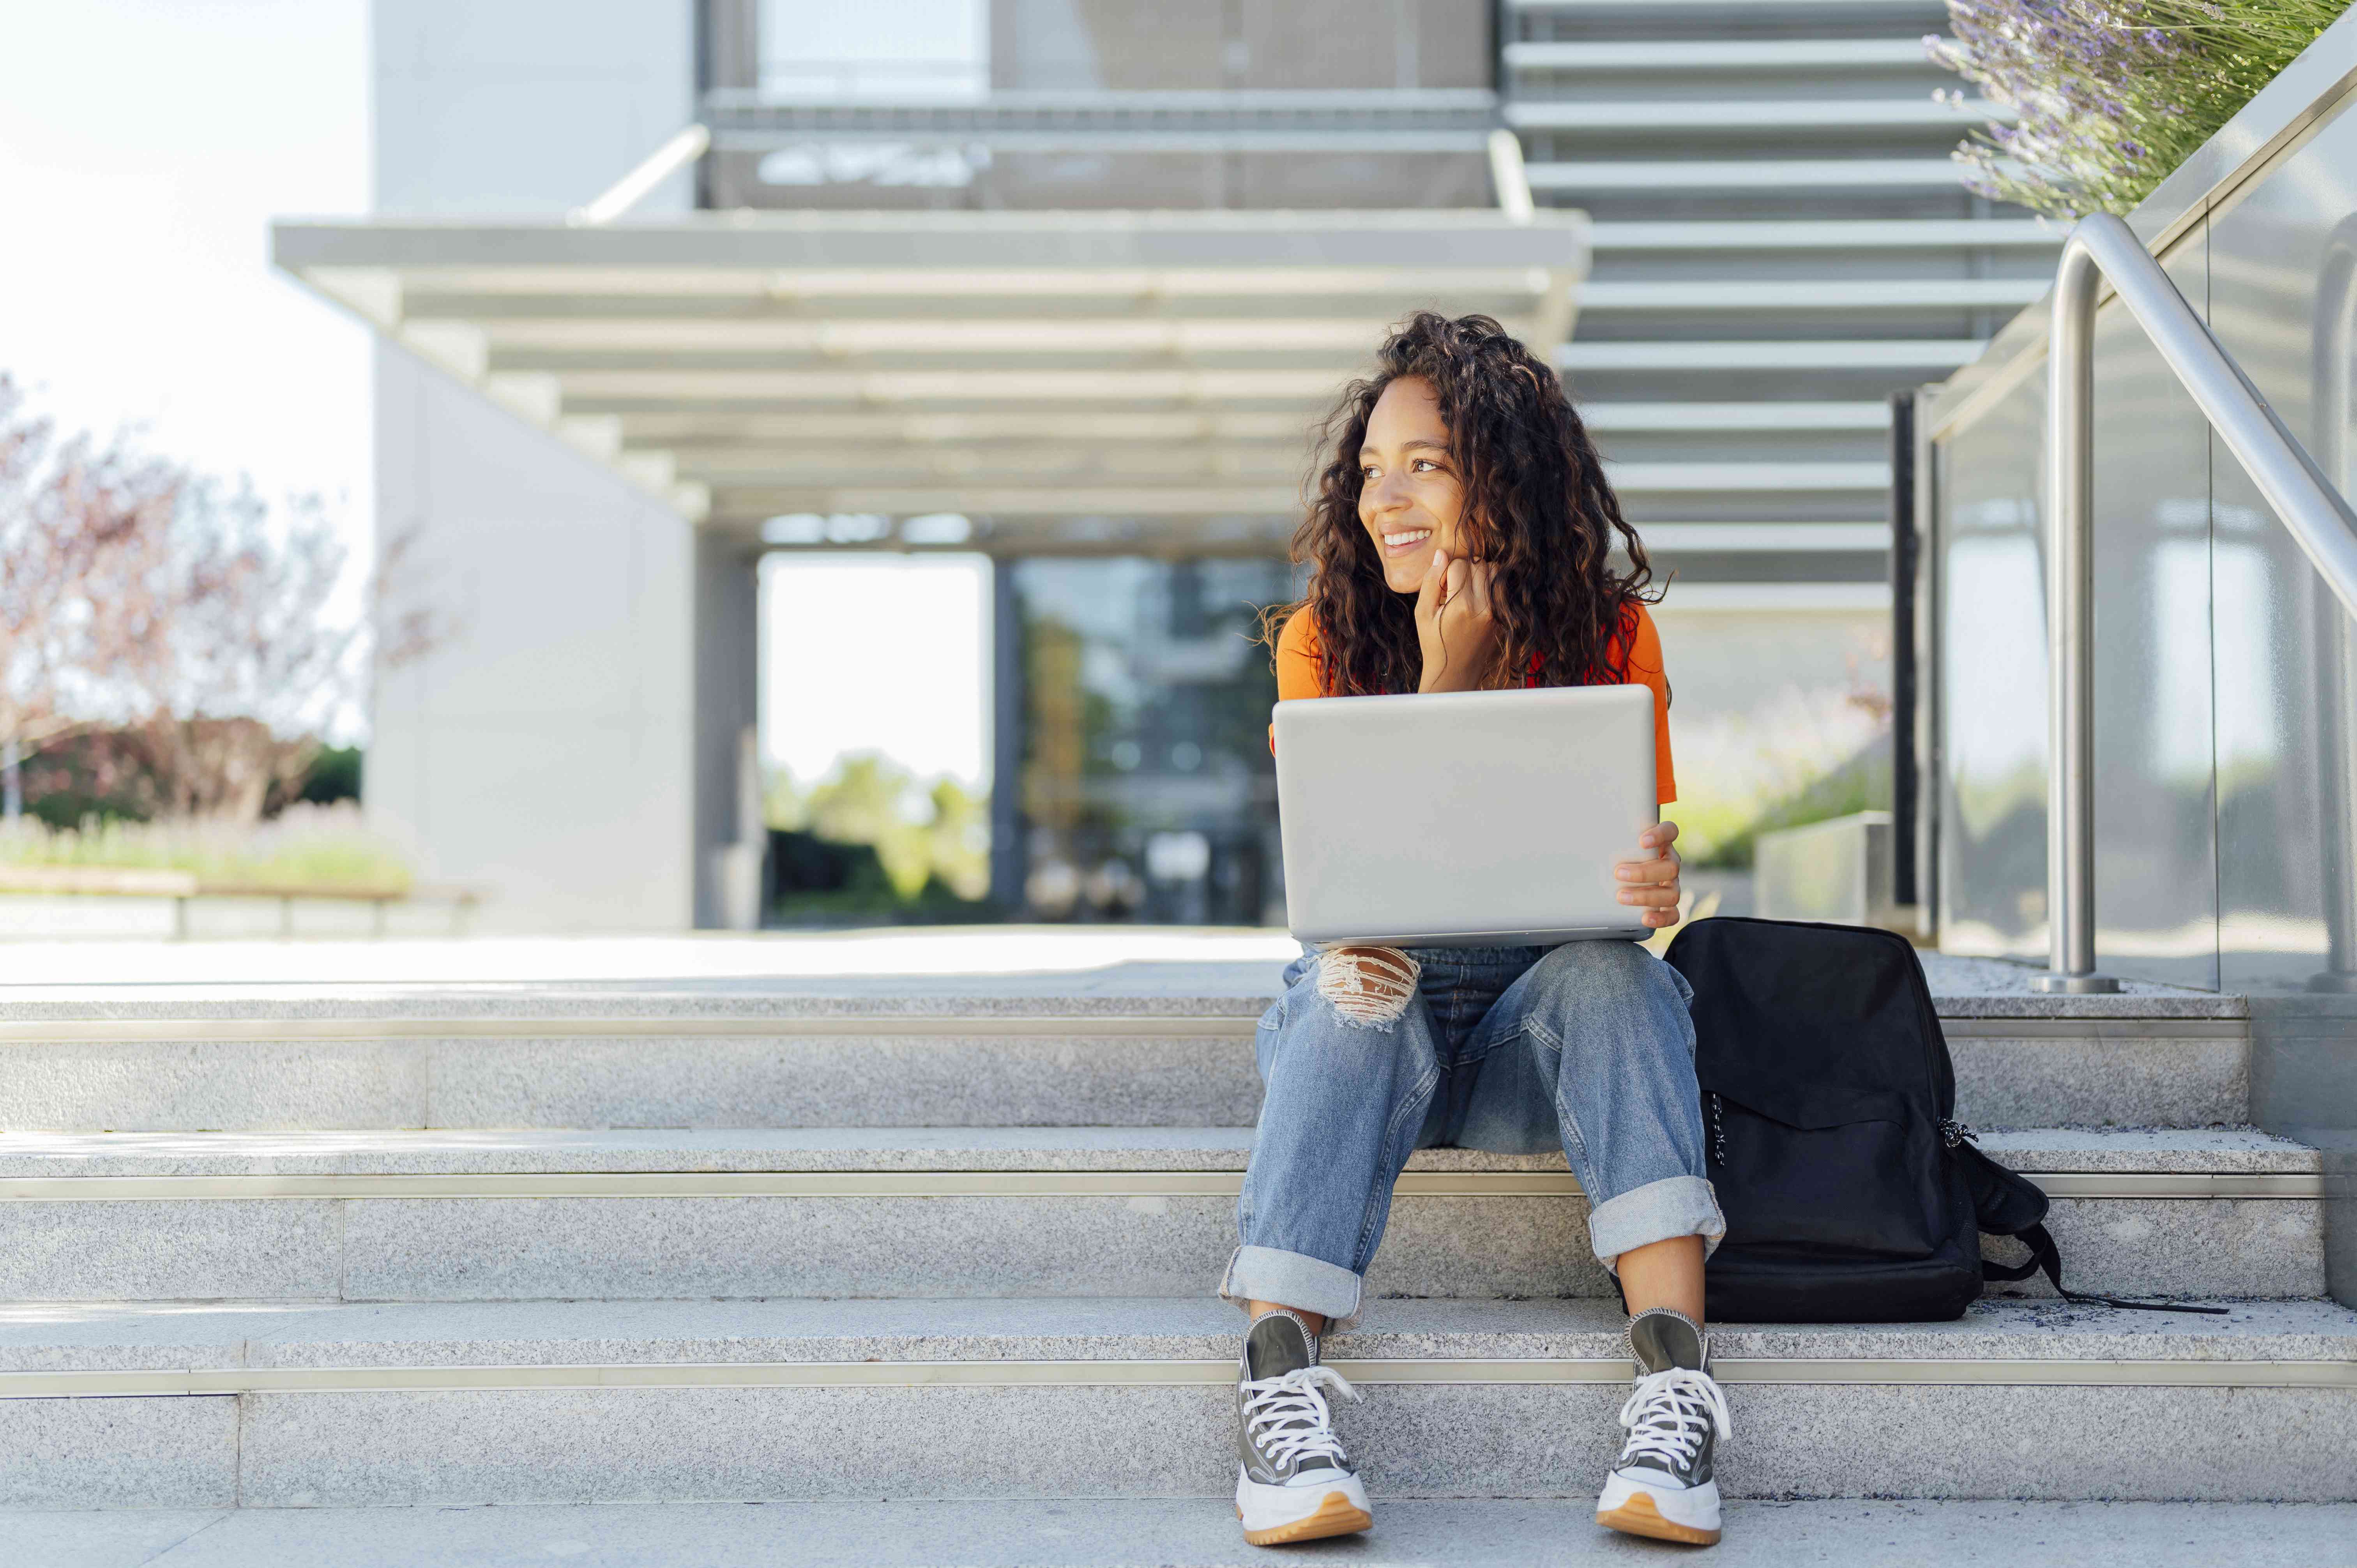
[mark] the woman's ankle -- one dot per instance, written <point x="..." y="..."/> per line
<point x="1664" y="1274"/>
<point x="1315" y="1320"/>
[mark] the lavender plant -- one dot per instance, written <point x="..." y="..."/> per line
<point x="2109" y="96"/>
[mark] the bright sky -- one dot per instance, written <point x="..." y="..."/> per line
<point x="145" y="144"/>
<point x="877" y="653"/>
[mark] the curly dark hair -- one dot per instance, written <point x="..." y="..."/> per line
<point x="1537" y="507"/>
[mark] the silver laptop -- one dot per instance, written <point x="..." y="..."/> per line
<point x="1464" y="819"/>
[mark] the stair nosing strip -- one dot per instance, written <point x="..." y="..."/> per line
<point x="174" y="1030"/>
<point x="2002" y="1372"/>
<point x="683" y="1185"/>
<point x="2100" y="1029"/>
<point x="144" y="1031"/>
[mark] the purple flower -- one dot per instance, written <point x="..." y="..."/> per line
<point x="2109" y="95"/>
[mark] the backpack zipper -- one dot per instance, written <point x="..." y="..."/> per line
<point x="1952" y="1133"/>
<point x="1718" y="1128"/>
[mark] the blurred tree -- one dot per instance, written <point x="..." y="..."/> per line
<point x="867" y="801"/>
<point x="181" y="617"/>
<point x="82" y="532"/>
<point x="958" y="839"/>
<point x="245" y="671"/>
<point x="921" y="839"/>
<point x="92" y="775"/>
<point x="335" y="776"/>
<point x="784" y="807"/>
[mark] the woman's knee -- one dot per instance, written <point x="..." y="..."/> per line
<point x="1615" y="991"/>
<point x="1366" y="986"/>
<point x="1599" y="968"/>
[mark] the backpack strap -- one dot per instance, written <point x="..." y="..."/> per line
<point x="2044" y="1256"/>
<point x="2009" y="1205"/>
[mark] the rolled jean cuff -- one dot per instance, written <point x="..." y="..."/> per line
<point x="1674" y="1206"/>
<point x="1296" y="1279"/>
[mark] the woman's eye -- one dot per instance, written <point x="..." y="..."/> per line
<point x="1426" y="464"/>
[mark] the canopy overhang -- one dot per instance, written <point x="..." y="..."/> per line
<point x="1060" y="382"/>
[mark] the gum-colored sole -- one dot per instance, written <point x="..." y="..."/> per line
<point x="1335" y="1516"/>
<point x="1637" y="1516"/>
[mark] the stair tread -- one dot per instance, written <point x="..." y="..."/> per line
<point x="1114" y="1532"/>
<point x="1826" y="233"/>
<point x="944" y="1149"/>
<point x="1012" y="973"/>
<point x="65" y="1336"/>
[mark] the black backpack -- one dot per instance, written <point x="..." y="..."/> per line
<point x="1828" y="1104"/>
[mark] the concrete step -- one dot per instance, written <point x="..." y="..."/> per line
<point x="1153" y="1045"/>
<point x="275" y="1405"/>
<point x="1846" y="354"/>
<point x="1844" y="238"/>
<point x="1722" y="118"/>
<point x="1179" y="1532"/>
<point x="1626" y="418"/>
<point x="969" y="1212"/>
<point x="1771" y="56"/>
<point x="1711" y="18"/>
<point x="1767" y="298"/>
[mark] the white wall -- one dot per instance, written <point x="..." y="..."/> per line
<point x="547" y="753"/>
<point x="544" y="753"/>
<point x="526" y="106"/>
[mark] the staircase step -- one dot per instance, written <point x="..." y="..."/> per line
<point x="980" y="1212"/>
<point x="1766" y="298"/>
<point x="1626" y="418"/>
<point x="1149" y="1045"/>
<point x="1722" y="117"/>
<point x="1780" y="57"/>
<point x="1709" y="13"/>
<point x="1835" y="237"/>
<point x="1744" y="164"/>
<point x="1783" y="176"/>
<point x="1182" y="1532"/>
<point x="1768" y="354"/>
<point x="274" y="1405"/>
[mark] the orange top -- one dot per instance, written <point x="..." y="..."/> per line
<point x="1301" y="672"/>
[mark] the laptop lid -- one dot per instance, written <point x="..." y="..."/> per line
<point x="1464" y="819"/>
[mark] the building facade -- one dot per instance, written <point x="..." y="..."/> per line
<point x="589" y="468"/>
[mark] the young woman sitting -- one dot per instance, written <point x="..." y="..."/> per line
<point x="1462" y="537"/>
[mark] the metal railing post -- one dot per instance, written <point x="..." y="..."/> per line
<point x="2070" y="630"/>
<point x="2316" y="516"/>
<point x="1509" y="177"/>
<point x="2334" y="644"/>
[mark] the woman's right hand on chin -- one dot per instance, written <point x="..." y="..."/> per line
<point x="1453" y="624"/>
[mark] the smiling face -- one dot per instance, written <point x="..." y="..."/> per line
<point x="1411" y="497"/>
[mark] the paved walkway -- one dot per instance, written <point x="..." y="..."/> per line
<point x="1087" y="1532"/>
<point x="1137" y="961"/>
<point x="1144" y="960"/>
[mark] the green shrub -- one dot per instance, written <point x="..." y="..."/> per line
<point x="317" y="848"/>
<point x="921" y="837"/>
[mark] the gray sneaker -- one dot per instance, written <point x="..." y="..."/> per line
<point x="1661" y="1484"/>
<point x="1292" y="1480"/>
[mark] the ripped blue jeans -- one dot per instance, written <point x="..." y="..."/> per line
<point x="1506" y="1049"/>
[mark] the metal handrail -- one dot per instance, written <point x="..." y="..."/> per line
<point x="680" y="149"/>
<point x="2317" y="517"/>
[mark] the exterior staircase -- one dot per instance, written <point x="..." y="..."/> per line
<point x="1781" y="242"/>
<point x="953" y="1243"/>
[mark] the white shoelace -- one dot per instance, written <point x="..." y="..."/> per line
<point x="1668" y="1412"/>
<point x="1295" y="1396"/>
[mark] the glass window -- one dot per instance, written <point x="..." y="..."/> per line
<point x="926" y="50"/>
<point x="1147" y="792"/>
